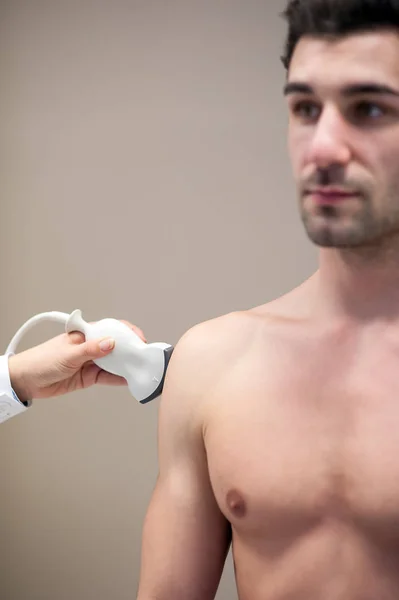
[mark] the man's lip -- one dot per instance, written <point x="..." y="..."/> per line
<point x="332" y="192"/>
<point x="328" y="196"/>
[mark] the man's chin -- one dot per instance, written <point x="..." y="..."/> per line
<point x="333" y="232"/>
<point x="328" y="238"/>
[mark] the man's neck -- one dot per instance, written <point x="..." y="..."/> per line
<point x="362" y="285"/>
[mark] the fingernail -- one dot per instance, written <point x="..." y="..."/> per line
<point x="107" y="344"/>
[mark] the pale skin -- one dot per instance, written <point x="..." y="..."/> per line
<point x="279" y="426"/>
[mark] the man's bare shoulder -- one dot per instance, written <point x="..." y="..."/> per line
<point x="207" y="349"/>
<point x="229" y="332"/>
<point x="203" y="351"/>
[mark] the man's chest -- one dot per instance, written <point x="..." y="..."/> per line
<point x="291" y="447"/>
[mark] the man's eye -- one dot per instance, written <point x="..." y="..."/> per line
<point x="368" y="110"/>
<point x="306" y="110"/>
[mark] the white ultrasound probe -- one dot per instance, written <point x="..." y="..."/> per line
<point x="142" y="365"/>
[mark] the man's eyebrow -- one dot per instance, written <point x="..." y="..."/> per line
<point x="296" y="87"/>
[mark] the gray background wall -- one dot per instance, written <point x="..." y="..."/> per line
<point x="143" y="175"/>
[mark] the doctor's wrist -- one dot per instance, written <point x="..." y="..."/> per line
<point x="18" y="379"/>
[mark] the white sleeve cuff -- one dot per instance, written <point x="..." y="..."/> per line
<point x="10" y="404"/>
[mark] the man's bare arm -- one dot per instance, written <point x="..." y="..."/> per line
<point x="185" y="536"/>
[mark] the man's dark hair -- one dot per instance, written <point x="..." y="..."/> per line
<point x="336" y="18"/>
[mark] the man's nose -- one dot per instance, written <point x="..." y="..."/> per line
<point x="330" y="142"/>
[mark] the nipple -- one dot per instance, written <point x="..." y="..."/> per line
<point x="236" y="503"/>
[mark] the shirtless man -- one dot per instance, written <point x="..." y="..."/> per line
<point x="279" y="426"/>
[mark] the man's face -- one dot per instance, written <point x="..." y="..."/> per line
<point x="343" y="99"/>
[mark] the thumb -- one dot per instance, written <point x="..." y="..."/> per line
<point x="82" y="353"/>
